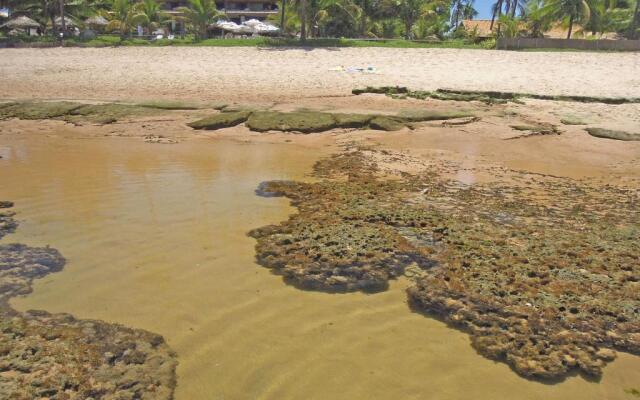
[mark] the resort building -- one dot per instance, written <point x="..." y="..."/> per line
<point x="237" y="10"/>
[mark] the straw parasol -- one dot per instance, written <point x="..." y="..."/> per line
<point x="96" y="20"/>
<point x="21" y="22"/>
<point x="68" y="22"/>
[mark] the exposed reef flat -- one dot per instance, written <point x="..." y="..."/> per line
<point x="542" y="272"/>
<point x="315" y="121"/>
<point x="105" y="113"/>
<point x="613" y="134"/>
<point x="486" y="96"/>
<point x="56" y="356"/>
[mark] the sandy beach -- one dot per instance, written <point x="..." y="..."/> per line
<point x="275" y="74"/>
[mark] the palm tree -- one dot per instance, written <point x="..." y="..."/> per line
<point x="126" y="14"/>
<point x="154" y="14"/>
<point x="201" y="14"/>
<point x="575" y="10"/>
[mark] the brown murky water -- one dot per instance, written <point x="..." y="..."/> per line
<point x="155" y="239"/>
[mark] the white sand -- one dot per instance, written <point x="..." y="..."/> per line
<point x="274" y="74"/>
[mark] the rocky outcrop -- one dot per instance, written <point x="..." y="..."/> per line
<point x="542" y="272"/>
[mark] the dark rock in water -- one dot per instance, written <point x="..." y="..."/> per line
<point x="7" y="223"/>
<point x="273" y="188"/>
<point x="547" y="286"/>
<point x="20" y="265"/>
<point x="58" y="356"/>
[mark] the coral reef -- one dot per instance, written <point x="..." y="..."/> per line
<point x="56" y="356"/>
<point x="489" y="97"/>
<point x="543" y="272"/>
<point x="612" y="134"/>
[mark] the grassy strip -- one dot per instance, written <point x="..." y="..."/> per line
<point x="109" y="41"/>
<point x="489" y="97"/>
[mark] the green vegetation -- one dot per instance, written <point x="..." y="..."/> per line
<point x="311" y="22"/>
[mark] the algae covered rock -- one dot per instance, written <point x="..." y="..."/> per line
<point x="386" y="123"/>
<point x="305" y="122"/>
<point x="613" y="134"/>
<point x="543" y="275"/>
<point x="56" y="356"/>
<point x="38" y="110"/>
<point x="356" y="121"/>
<point x="221" y="120"/>
<point x="430" y="115"/>
<point x="7" y="223"/>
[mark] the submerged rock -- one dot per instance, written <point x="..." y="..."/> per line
<point x="46" y="355"/>
<point x="547" y="286"/>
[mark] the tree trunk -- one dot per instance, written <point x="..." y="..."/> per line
<point x="303" y="20"/>
<point x="407" y="26"/>
<point x="634" y="22"/>
<point x="282" y="15"/>
<point x="570" y="26"/>
<point x="514" y="8"/>
<point x="496" y="12"/>
<point x="63" y="23"/>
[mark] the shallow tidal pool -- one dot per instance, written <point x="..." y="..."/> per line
<point x="155" y="238"/>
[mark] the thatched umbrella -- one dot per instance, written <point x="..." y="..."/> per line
<point x="67" y="21"/>
<point x="97" y="20"/>
<point x="21" y="22"/>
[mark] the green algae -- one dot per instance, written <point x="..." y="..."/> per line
<point x="542" y="272"/>
<point x="314" y="121"/>
<point x="305" y="122"/>
<point x="179" y="105"/>
<point x="38" y="110"/>
<point x="222" y="120"/>
<point x="107" y="113"/>
<point x="74" y="112"/>
<point x="431" y="115"/>
<point x="613" y="134"/>
<point x="489" y="97"/>
<point x="384" y="123"/>
<point x="356" y="121"/>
